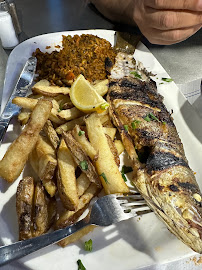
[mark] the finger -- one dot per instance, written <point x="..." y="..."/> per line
<point x="172" y="36"/>
<point x="166" y="20"/>
<point x="195" y="5"/>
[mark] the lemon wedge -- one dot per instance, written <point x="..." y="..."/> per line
<point x="85" y="98"/>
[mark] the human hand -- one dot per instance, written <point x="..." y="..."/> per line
<point x="160" y="21"/>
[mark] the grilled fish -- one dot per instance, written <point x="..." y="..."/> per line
<point x="161" y="171"/>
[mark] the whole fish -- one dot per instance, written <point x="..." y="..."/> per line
<point x="161" y="171"/>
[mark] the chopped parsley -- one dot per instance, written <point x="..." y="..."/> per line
<point x="150" y="117"/>
<point x="104" y="106"/>
<point x="124" y="177"/>
<point x="80" y="265"/>
<point x="136" y="74"/>
<point x="104" y="177"/>
<point x="135" y="123"/>
<point x="147" y="118"/>
<point x="59" y="110"/>
<point x="127" y="211"/>
<point x="84" y="165"/>
<point x="81" y="132"/>
<point x="167" y="79"/>
<point x="154" y="117"/>
<point x="124" y="170"/>
<point x="126" y="127"/>
<point x="88" y="245"/>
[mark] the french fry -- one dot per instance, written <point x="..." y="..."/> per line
<point x="101" y="87"/>
<point x="82" y="183"/>
<point x="24" y="207"/>
<point x="23" y="116"/>
<point x="67" y="105"/>
<point x="79" y="121"/>
<point x="51" y="134"/>
<point x="46" y="89"/>
<point x="76" y="236"/>
<point x="111" y="178"/>
<point x="25" y="102"/>
<point x="43" y="213"/>
<point x="62" y="99"/>
<point x="33" y="159"/>
<point x="81" y="158"/>
<point x="54" y="117"/>
<point x="30" y="103"/>
<point x="81" y="138"/>
<point x="17" y="154"/>
<point x="110" y="131"/>
<point x="70" y="125"/>
<point x="113" y="149"/>
<point x="119" y="146"/>
<point x="43" y="161"/>
<point x="70" y="114"/>
<point x="64" y="102"/>
<point x="66" y="179"/>
<point x="104" y="118"/>
<point x="108" y="124"/>
<point x="69" y="217"/>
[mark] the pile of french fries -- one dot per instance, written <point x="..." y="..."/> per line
<point x="74" y="155"/>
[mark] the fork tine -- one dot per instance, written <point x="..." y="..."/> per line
<point x="133" y="204"/>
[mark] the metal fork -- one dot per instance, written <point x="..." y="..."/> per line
<point x="105" y="211"/>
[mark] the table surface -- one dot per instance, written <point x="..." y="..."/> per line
<point x="182" y="61"/>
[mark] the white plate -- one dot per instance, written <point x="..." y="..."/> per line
<point x="130" y="244"/>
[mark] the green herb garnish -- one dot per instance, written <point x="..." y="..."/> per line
<point x="167" y="79"/>
<point x="88" y="245"/>
<point x="81" y="132"/>
<point x="135" y="123"/>
<point x="80" y="265"/>
<point x="126" y="127"/>
<point x="147" y="118"/>
<point x="84" y="165"/>
<point x="126" y="169"/>
<point x="59" y="110"/>
<point x="136" y="74"/>
<point x="154" y="117"/>
<point x="104" y="106"/>
<point x="150" y="117"/>
<point x="104" y="177"/>
<point x="124" y="177"/>
<point x="127" y="211"/>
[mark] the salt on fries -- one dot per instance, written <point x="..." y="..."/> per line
<point x="74" y="155"/>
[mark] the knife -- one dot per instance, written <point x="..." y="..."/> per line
<point x="22" y="86"/>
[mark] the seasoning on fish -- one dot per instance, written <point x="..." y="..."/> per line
<point x="161" y="170"/>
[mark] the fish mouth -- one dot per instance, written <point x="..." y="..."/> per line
<point x="183" y="221"/>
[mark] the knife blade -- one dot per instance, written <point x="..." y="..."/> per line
<point x="20" y="90"/>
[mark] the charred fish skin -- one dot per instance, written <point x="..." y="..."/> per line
<point x="162" y="175"/>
